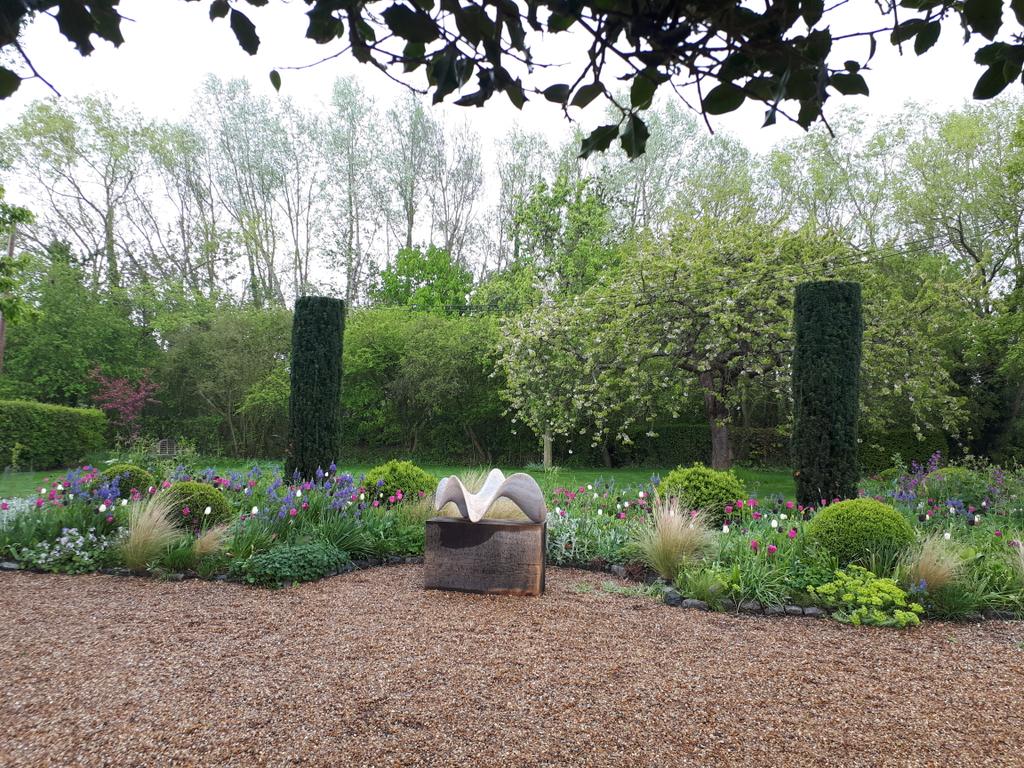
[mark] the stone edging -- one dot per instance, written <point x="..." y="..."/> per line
<point x="671" y="596"/>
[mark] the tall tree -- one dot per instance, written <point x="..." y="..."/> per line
<point x="406" y="163"/>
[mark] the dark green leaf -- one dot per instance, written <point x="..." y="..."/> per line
<point x="76" y="24"/>
<point x="414" y="54"/>
<point x="515" y="93"/>
<point x="599" y="140"/>
<point x="927" y="37"/>
<point x="634" y="137"/>
<point x="906" y="30"/>
<point x="991" y="83"/>
<point x="586" y="94"/>
<point x="275" y="79"/>
<point x="983" y="16"/>
<point x="9" y="82"/>
<point x="848" y="84"/>
<point x="852" y="66"/>
<point x="245" y="32"/>
<point x="323" y="27"/>
<point x="811" y="11"/>
<point x="474" y="24"/>
<point x="723" y="98"/>
<point x="558" y="22"/>
<point x="558" y="93"/>
<point x="1018" y="10"/>
<point x="219" y="9"/>
<point x="641" y="92"/>
<point x="414" y="26"/>
<point x="991" y="54"/>
<point x="257" y="3"/>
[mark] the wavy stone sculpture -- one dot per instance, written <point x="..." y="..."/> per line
<point x="521" y="489"/>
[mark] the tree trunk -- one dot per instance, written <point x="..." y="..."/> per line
<point x="717" y="414"/>
<point x="606" y="456"/>
<point x="547" y="450"/>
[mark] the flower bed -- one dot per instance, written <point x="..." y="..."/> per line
<point x="965" y="561"/>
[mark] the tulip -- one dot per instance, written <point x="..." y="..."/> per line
<point x="772" y="549"/>
<point x="792" y="533"/>
<point x="754" y="545"/>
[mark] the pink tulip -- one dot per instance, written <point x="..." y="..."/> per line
<point x="756" y="515"/>
<point x="293" y="511"/>
<point x="789" y="505"/>
<point x="792" y="533"/>
<point x="754" y="545"/>
<point x="728" y="510"/>
<point x="772" y="549"/>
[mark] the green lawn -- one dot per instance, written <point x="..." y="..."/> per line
<point x="759" y="482"/>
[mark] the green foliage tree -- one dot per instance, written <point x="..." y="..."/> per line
<point x="429" y="280"/>
<point x="781" y="56"/>
<point x="72" y="331"/>
<point x="828" y="332"/>
<point x="314" y="409"/>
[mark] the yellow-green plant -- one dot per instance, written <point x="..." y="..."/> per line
<point x="671" y="537"/>
<point x="151" y="530"/>
<point x="857" y="596"/>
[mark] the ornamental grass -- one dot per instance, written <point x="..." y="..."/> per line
<point x="151" y="530"/>
<point x="672" y="537"/>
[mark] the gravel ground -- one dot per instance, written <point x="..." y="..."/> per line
<point x="368" y="669"/>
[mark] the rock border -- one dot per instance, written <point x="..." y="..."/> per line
<point x="671" y="596"/>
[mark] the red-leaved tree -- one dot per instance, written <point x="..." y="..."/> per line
<point x="122" y="400"/>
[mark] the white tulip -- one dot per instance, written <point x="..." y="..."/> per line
<point x="775" y="523"/>
<point x="298" y="493"/>
<point x="725" y="529"/>
<point x="103" y="508"/>
<point x="207" y="511"/>
<point x="947" y="535"/>
<point x="255" y="510"/>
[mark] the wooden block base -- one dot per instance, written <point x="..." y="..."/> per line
<point x="498" y="557"/>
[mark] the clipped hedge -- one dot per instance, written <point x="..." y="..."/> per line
<point x="196" y="498"/>
<point x="314" y="406"/>
<point x="387" y="479"/>
<point x="129" y="477"/>
<point x="852" y="531"/>
<point x="43" y="436"/>
<point x="703" y="488"/>
<point x="828" y="330"/>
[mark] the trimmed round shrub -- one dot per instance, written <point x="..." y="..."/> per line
<point x="959" y="483"/>
<point x="404" y="476"/>
<point x="196" y="497"/>
<point x="851" y="531"/>
<point x="130" y="476"/>
<point x="890" y="475"/>
<point x="703" y="488"/>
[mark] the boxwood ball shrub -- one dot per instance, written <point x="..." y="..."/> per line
<point x="851" y="531"/>
<point x="43" y="436"/>
<point x="828" y="330"/>
<point x="314" y="406"/>
<point x="129" y="476"/>
<point x="703" y="488"/>
<point x="195" y="497"/>
<point x="387" y="479"/>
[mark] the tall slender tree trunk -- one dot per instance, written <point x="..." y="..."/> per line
<point x="547" y="450"/>
<point x="717" y="414"/>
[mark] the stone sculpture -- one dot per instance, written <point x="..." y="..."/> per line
<point x="519" y="488"/>
<point x="471" y="553"/>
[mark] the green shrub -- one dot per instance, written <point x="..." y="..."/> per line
<point x="703" y="488"/>
<point x="314" y="406"/>
<point x="828" y="329"/>
<point x="860" y="529"/>
<point x="857" y="596"/>
<point x="290" y="563"/>
<point x="130" y="476"/>
<point x="197" y="498"/>
<point x="961" y="483"/>
<point x="387" y="479"/>
<point x="43" y="436"/>
<point x="891" y="474"/>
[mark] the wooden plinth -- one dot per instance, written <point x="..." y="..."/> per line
<point x="498" y="557"/>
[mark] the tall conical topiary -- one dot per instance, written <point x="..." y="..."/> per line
<point x="826" y="382"/>
<point x="314" y="408"/>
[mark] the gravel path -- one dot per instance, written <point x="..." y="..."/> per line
<point x="370" y="670"/>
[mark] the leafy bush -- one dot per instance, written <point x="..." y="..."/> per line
<point x="190" y="501"/>
<point x="699" y="487"/>
<point x="957" y="483"/>
<point x="858" y="529"/>
<point x="704" y="584"/>
<point x="128" y="476"/>
<point x="290" y="563"/>
<point x="857" y="596"/>
<point x="42" y="436"/>
<point x="388" y="479"/>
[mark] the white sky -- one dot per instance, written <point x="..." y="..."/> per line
<point x="171" y="45"/>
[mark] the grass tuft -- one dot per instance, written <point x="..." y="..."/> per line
<point x="151" y="530"/>
<point x="672" y="538"/>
